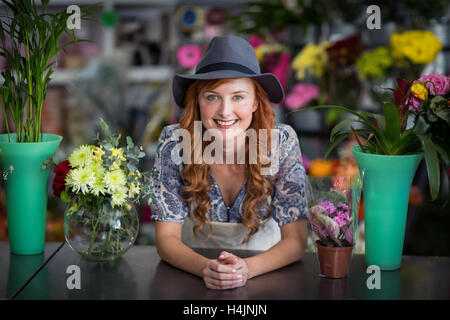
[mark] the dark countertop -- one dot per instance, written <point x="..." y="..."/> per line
<point x="140" y="274"/>
<point x="16" y="270"/>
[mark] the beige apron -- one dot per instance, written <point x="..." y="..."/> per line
<point x="230" y="235"/>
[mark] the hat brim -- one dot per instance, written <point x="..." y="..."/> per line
<point x="268" y="81"/>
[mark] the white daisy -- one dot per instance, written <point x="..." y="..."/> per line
<point x="114" y="180"/>
<point x="80" y="179"/>
<point x="119" y="197"/>
<point x="81" y="156"/>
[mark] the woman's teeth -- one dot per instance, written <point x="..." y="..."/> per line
<point x="226" y="123"/>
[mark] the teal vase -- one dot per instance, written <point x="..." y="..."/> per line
<point x="386" y="185"/>
<point x="26" y="190"/>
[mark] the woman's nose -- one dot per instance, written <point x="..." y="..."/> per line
<point x="226" y="109"/>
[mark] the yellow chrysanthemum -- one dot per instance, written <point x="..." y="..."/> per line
<point x="313" y="58"/>
<point x="419" y="47"/>
<point x="81" y="156"/>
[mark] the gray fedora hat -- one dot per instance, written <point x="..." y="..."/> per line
<point x="225" y="58"/>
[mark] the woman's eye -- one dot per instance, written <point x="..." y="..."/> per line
<point x="211" y="97"/>
<point x="239" y="98"/>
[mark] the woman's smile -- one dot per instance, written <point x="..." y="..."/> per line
<point x="225" y="124"/>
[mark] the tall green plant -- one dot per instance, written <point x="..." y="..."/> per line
<point x="31" y="55"/>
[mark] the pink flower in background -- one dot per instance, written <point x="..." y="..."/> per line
<point x="301" y="94"/>
<point x="306" y="163"/>
<point x="255" y="41"/>
<point x="189" y="55"/>
<point x="441" y="82"/>
<point x="413" y="103"/>
<point x="329" y="207"/>
<point x="280" y="70"/>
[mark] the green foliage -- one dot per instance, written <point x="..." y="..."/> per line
<point x="31" y="55"/>
<point x="383" y="134"/>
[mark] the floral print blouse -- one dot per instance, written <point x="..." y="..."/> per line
<point x="288" y="199"/>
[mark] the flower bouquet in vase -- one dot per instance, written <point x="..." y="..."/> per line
<point x="101" y="184"/>
<point x="333" y="218"/>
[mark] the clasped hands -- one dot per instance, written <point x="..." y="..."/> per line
<point x="226" y="272"/>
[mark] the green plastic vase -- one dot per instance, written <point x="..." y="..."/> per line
<point x="386" y="185"/>
<point x="26" y="190"/>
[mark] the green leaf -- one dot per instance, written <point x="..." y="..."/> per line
<point x="65" y="196"/>
<point x="421" y="126"/>
<point x="392" y="119"/>
<point x="360" y="119"/>
<point x="439" y="106"/>
<point x="339" y="126"/>
<point x="432" y="162"/>
<point x="407" y="144"/>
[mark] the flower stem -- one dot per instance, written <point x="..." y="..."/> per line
<point x="95" y="229"/>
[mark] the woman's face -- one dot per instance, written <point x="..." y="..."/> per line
<point x="229" y="106"/>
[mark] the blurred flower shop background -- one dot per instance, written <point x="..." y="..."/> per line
<point x="323" y="52"/>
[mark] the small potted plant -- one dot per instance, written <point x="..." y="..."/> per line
<point x="30" y="42"/>
<point x="102" y="184"/>
<point x="333" y="220"/>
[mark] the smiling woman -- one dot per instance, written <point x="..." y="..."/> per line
<point x="233" y="205"/>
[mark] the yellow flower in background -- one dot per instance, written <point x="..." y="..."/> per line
<point x="259" y="54"/>
<point x="419" y="91"/>
<point x="264" y="49"/>
<point x="313" y="58"/>
<point x="420" y="47"/>
<point x="374" y="63"/>
<point x="321" y="168"/>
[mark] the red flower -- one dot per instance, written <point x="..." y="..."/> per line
<point x="61" y="171"/>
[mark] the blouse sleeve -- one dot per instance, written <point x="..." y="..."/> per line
<point x="166" y="182"/>
<point x="289" y="202"/>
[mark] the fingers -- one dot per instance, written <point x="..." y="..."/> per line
<point x="222" y="284"/>
<point x="222" y="276"/>
<point x="216" y="271"/>
<point x="216" y="266"/>
<point x="228" y="258"/>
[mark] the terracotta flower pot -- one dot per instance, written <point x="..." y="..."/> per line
<point x="334" y="261"/>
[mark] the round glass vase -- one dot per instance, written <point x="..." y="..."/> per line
<point x="101" y="234"/>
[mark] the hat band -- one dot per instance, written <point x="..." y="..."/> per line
<point x="225" y="66"/>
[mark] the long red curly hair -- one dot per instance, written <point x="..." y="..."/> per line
<point x="196" y="176"/>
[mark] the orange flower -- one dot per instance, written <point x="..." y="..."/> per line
<point x="419" y="91"/>
<point x="321" y="168"/>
